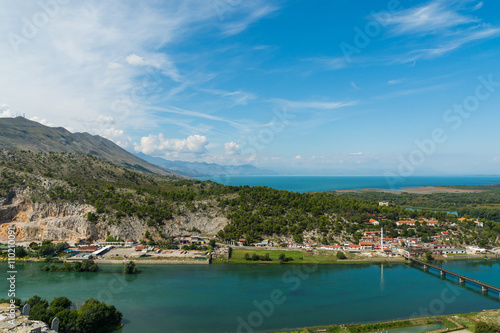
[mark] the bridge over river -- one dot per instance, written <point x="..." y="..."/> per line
<point x="462" y="278"/>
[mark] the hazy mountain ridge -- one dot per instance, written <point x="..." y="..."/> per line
<point x="203" y="169"/>
<point x="23" y="134"/>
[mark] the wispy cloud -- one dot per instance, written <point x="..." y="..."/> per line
<point x="393" y="82"/>
<point x="431" y="18"/>
<point x="328" y="63"/>
<point x="92" y="55"/>
<point x="438" y="28"/>
<point x="254" y="15"/>
<point x="319" y="105"/>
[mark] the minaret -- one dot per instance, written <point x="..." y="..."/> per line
<point x="382" y="239"/>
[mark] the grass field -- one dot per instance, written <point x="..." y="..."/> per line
<point x="300" y="257"/>
<point x="458" y="322"/>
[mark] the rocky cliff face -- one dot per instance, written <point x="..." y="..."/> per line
<point x="68" y="222"/>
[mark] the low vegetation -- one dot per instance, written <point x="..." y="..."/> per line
<point x="92" y="317"/>
<point x="87" y="265"/>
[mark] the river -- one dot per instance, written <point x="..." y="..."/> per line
<point x="257" y="298"/>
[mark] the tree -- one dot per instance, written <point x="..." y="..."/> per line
<point x="212" y="243"/>
<point x="130" y="268"/>
<point x="428" y="256"/>
<point x="21" y="252"/>
<point x="341" y="255"/>
<point x="88" y="265"/>
<point x="97" y="317"/>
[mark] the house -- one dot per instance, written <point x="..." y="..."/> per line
<point x="412" y="223"/>
<point x="354" y="248"/>
<point x="140" y="248"/>
<point x="479" y="224"/>
<point x="241" y="241"/>
<point x="453" y="251"/>
<point x="366" y="245"/>
<point x="88" y="249"/>
<point x="264" y="243"/>
<point x="475" y="250"/>
<point x="383" y="203"/>
<point x="374" y="222"/>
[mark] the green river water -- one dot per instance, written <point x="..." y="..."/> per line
<point x="263" y="298"/>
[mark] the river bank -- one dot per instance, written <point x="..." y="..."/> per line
<point x="297" y="258"/>
<point x="463" y="323"/>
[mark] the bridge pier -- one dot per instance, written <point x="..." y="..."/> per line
<point x="462" y="280"/>
<point x="485" y="289"/>
<point x="443" y="274"/>
<point x="426" y="268"/>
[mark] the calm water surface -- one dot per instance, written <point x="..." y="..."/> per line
<point x="331" y="183"/>
<point x="226" y="298"/>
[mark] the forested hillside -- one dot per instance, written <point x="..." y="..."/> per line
<point x="45" y="190"/>
<point x="483" y="203"/>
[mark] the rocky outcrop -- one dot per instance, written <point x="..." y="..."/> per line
<point x="68" y="222"/>
<point x="40" y="221"/>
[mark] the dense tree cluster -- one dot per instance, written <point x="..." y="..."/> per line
<point x="92" y="317"/>
<point x="258" y="211"/>
<point x="484" y="203"/>
<point x="87" y="265"/>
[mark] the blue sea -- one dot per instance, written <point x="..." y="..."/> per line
<point x="332" y="183"/>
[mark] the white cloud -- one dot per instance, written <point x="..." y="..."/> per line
<point x="479" y="5"/>
<point x="155" y="60"/>
<point x="41" y="121"/>
<point x="313" y="104"/>
<point x="232" y="148"/>
<point x="298" y="157"/>
<point x="393" y="82"/>
<point x="328" y="63"/>
<point x="442" y="26"/>
<point x="238" y="97"/>
<point x="238" y="26"/>
<point x="158" y="145"/>
<point x="77" y="63"/>
<point x="428" y="19"/>
<point x="5" y="111"/>
<point x="356" y="153"/>
<point x="114" y="65"/>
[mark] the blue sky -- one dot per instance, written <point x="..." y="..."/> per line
<point x="295" y="86"/>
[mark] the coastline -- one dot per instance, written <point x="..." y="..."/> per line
<point x="310" y="261"/>
<point x="461" y="322"/>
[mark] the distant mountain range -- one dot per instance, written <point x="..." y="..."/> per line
<point x="23" y="134"/>
<point x="202" y="169"/>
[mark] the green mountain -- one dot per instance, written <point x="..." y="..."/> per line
<point x="23" y="134"/>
